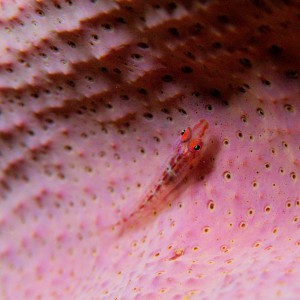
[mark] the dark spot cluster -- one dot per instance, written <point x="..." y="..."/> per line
<point x="244" y="118"/>
<point x="293" y="176"/>
<point x="54" y="48"/>
<point x="187" y="70"/>
<point x="156" y="139"/>
<point x="285" y="144"/>
<point x="196" y="29"/>
<point x="142" y="91"/>
<point x="227" y="176"/>
<point x="148" y="115"/>
<point x="243" y="89"/>
<point x="260" y="111"/>
<point x="216" y="93"/>
<point x="239" y="134"/>
<point x="208" y="107"/>
<point x="289" y="108"/>
<point x="264" y="29"/>
<point x="190" y="55"/>
<point x="171" y="7"/>
<point x="275" y="50"/>
<point x="246" y="62"/>
<point x="217" y="45"/>
<point x="167" y="78"/>
<point x="250" y="211"/>
<point x="107" y="26"/>
<point x="265" y="82"/>
<point x="254" y="184"/>
<point x="226" y="142"/>
<point x="174" y="31"/>
<point x="211" y="205"/>
<point x="136" y="56"/>
<point x="182" y="111"/>
<point x="223" y="19"/>
<point x="143" y="45"/>
<point x="71" y="44"/>
<point x="165" y="111"/>
<point x="292" y="74"/>
<point x="40" y="12"/>
<point x="68" y="148"/>
<point x="196" y="94"/>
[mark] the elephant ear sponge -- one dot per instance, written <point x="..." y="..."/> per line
<point x="93" y="97"/>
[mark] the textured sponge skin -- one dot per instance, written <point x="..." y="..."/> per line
<point x="93" y="97"/>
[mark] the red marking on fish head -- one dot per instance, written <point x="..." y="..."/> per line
<point x="199" y="129"/>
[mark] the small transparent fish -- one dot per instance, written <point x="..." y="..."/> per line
<point x="188" y="151"/>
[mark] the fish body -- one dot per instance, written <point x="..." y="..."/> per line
<point x="187" y="153"/>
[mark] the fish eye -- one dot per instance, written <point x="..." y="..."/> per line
<point x="195" y="145"/>
<point x="186" y="134"/>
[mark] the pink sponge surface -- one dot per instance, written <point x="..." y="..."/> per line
<point x="93" y="97"/>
